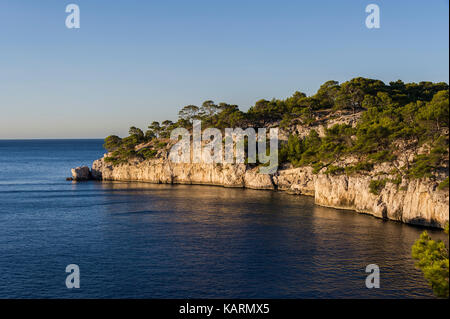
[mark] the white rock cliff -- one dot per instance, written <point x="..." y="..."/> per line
<point x="414" y="201"/>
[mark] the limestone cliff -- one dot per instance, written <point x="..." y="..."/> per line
<point x="413" y="201"/>
<point x="399" y="198"/>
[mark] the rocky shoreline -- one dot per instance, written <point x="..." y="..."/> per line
<point x="418" y="201"/>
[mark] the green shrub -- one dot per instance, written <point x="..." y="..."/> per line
<point x="317" y="167"/>
<point x="432" y="258"/>
<point x="361" y="166"/>
<point x="444" y="184"/>
<point x="147" y="153"/>
<point x="376" y="186"/>
<point x="161" y="145"/>
<point x="114" y="160"/>
<point x="424" y="165"/>
<point x="397" y="180"/>
<point x="335" y="170"/>
<point x="382" y="156"/>
<point x="112" y="143"/>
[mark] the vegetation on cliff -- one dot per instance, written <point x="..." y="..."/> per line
<point x="398" y="112"/>
<point x="432" y="259"/>
<point x="416" y="114"/>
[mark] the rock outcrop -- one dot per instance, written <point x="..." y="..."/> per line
<point x="81" y="173"/>
<point x="413" y="201"/>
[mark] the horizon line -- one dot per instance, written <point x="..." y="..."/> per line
<point x="51" y="138"/>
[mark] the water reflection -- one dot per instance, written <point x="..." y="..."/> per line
<point x="202" y="241"/>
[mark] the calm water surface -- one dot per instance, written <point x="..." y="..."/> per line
<point x="137" y="240"/>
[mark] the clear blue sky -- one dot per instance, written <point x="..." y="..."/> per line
<point x="132" y="62"/>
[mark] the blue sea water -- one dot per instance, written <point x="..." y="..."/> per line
<point x="138" y="240"/>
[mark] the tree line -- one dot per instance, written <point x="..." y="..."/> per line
<point x="391" y="112"/>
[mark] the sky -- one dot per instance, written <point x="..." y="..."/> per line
<point x="133" y="62"/>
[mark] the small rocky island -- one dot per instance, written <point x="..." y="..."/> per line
<point x="361" y="145"/>
<point x="81" y="174"/>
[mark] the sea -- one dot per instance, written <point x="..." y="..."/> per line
<point x="141" y="240"/>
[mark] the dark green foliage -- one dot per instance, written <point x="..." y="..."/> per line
<point x="129" y="142"/>
<point x="434" y="114"/>
<point x="120" y="156"/>
<point x="397" y="180"/>
<point x="301" y="152"/>
<point x="154" y="130"/>
<point x="264" y="111"/>
<point x="432" y="259"/>
<point x="137" y="134"/>
<point x="317" y="167"/>
<point x="361" y="166"/>
<point x="166" y="127"/>
<point x="382" y="156"/>
<point x="334" y="170"/>
<point x="337" y="142"/>
<point x="121" y="150"/>
<point x="112" y="142"/>
<point x="376" y="186"/>
<point x="161" y="145"/>
<point x="147" y="153"/>
<point x="189" y="113"/>
<point x="408" y="111"/>
<point x="444" y="184"/>
<point x="208" y="112"/>
<point x="425" y="164"/>
<point x="398" y="111"/>
<point x="327" y="94"/>
<point x="352" y="93"/>
<point x="124" y="153"/>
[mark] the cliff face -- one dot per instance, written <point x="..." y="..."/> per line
<point x="413" y="201"/>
